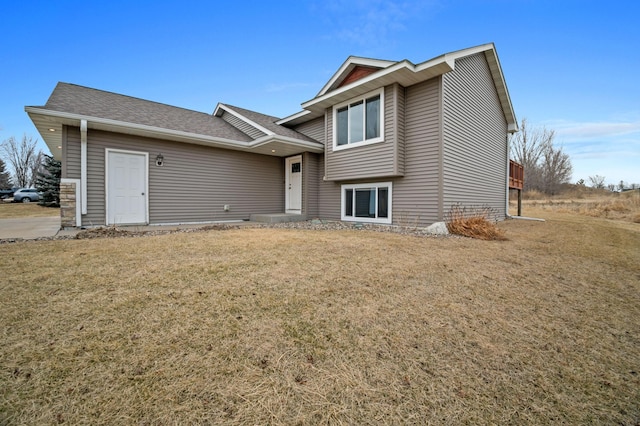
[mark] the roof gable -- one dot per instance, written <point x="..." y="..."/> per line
<point x="338" y="89"/>
<point x="263" y="123"/>
<point x="347" y="69"/>
<point x="357" y="73"/>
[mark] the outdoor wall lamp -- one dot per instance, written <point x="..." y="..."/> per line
<point x="159" y="160"/>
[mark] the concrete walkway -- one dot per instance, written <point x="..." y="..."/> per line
<point x="29" y="228"/>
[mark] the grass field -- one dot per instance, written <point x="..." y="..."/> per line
<point x="17" y="210"/>
<point x="266" y="326"/>
<point x="587" y="202"/>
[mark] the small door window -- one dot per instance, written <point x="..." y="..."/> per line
<point x="295" y="167"/>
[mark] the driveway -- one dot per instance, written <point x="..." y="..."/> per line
<point x="29" y="227"/>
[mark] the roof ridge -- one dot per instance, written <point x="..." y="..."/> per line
<point x="250" y="110"/>
<point x="130" y="97"/>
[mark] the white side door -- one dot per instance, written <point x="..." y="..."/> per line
<point x="293" y="184"/>
<point x="126" y="187"/>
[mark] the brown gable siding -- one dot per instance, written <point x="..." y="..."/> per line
<point x="357" y="73"/>
<point x="475" y="149"/>
<point x="193" y="185"/>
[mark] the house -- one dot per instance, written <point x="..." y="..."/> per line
<point x="383" y="141"/>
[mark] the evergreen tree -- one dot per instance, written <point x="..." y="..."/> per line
<point x="5" y="177"/>
<point x="48" y="182"/>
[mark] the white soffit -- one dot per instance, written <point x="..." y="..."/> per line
<point x="45" y="119"/>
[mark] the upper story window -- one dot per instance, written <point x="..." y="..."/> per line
<point x="359" y="121"/>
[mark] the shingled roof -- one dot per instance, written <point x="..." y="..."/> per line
<point x="86" y="101"/>
<point x="70" y="104"/>
<point x="268" y="122"/>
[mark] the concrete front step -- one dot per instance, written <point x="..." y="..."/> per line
<point x="277" y="217"/>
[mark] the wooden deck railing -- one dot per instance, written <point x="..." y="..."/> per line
<point x="516" y="175"/>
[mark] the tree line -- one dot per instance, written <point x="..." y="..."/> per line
<point x="547" y="168"/>
<point x="30" y="168"/>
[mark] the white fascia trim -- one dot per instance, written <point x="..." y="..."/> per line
<point x="292" y="117"/>
<point x="397" y="67"/>
<point x="452" y="56"/>
<point x="503" y="91"/>
<point x="152" y="130"/>
<point x="311" y="146"/>
<point x="243" y="118"/>
<point x="157" y="131"/>
<point x="491" y="55"/>
<point x="351" y="62"/>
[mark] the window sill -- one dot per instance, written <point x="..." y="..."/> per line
<point x="357" y="144"/>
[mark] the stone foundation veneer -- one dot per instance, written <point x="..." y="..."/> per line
<point x="67" y="205"/>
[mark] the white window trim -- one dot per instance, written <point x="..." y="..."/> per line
<point x="387" y="220"/>
<point x="379" y="139"/>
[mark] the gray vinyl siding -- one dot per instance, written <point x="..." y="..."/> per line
<point x="399" y="129"/>
<point x="328" y="196"/>
<point x="243" y="126"/>
<point x="415" y="196"/>
<point x="313" y="128"/>
<point x="310" y="178"/>
<point x="368" y="161"/>
<point x="475" y="151"/>
<point x="71" y="152"/>
<point x="194" y="183"/>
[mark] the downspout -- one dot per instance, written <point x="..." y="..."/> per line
<point x="506" y="210"/>
<point x="83" y="165"/>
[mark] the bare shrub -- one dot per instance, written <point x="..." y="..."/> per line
<point x="474" y="222"/>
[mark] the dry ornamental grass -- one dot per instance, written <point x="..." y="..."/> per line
<point x="473" y="222"/>
<point x="277" y="326"/>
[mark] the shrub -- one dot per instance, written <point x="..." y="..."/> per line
<point x="474" y="222"/>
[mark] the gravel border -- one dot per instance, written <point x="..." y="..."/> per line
<point x="314" y="225"/>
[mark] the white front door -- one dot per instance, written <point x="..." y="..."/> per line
<point x="126" y="187"/>
<point x="293" y="184"/>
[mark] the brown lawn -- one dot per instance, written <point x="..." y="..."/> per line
<point x="273" y="326"/>
<point x="18" y="210"/>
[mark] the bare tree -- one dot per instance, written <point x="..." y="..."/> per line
<point x="612" y="187"/>
<point x="556" y="168"/>
<point x="597" y="181"/>
<point x="621" y="186"/>
<point x="24" y="159"/>
<point x="545" y="166"/>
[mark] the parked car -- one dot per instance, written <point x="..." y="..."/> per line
<point x="6" y="193"/>
<point x="26" y="195"/>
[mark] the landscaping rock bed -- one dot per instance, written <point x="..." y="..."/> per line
<point x="315" y="224"/>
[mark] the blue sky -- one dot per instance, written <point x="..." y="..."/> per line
<point x="571" y="66"/>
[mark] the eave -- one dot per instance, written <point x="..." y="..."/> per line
<point x="274" y="145"/>
<point x="406" y="74"/>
